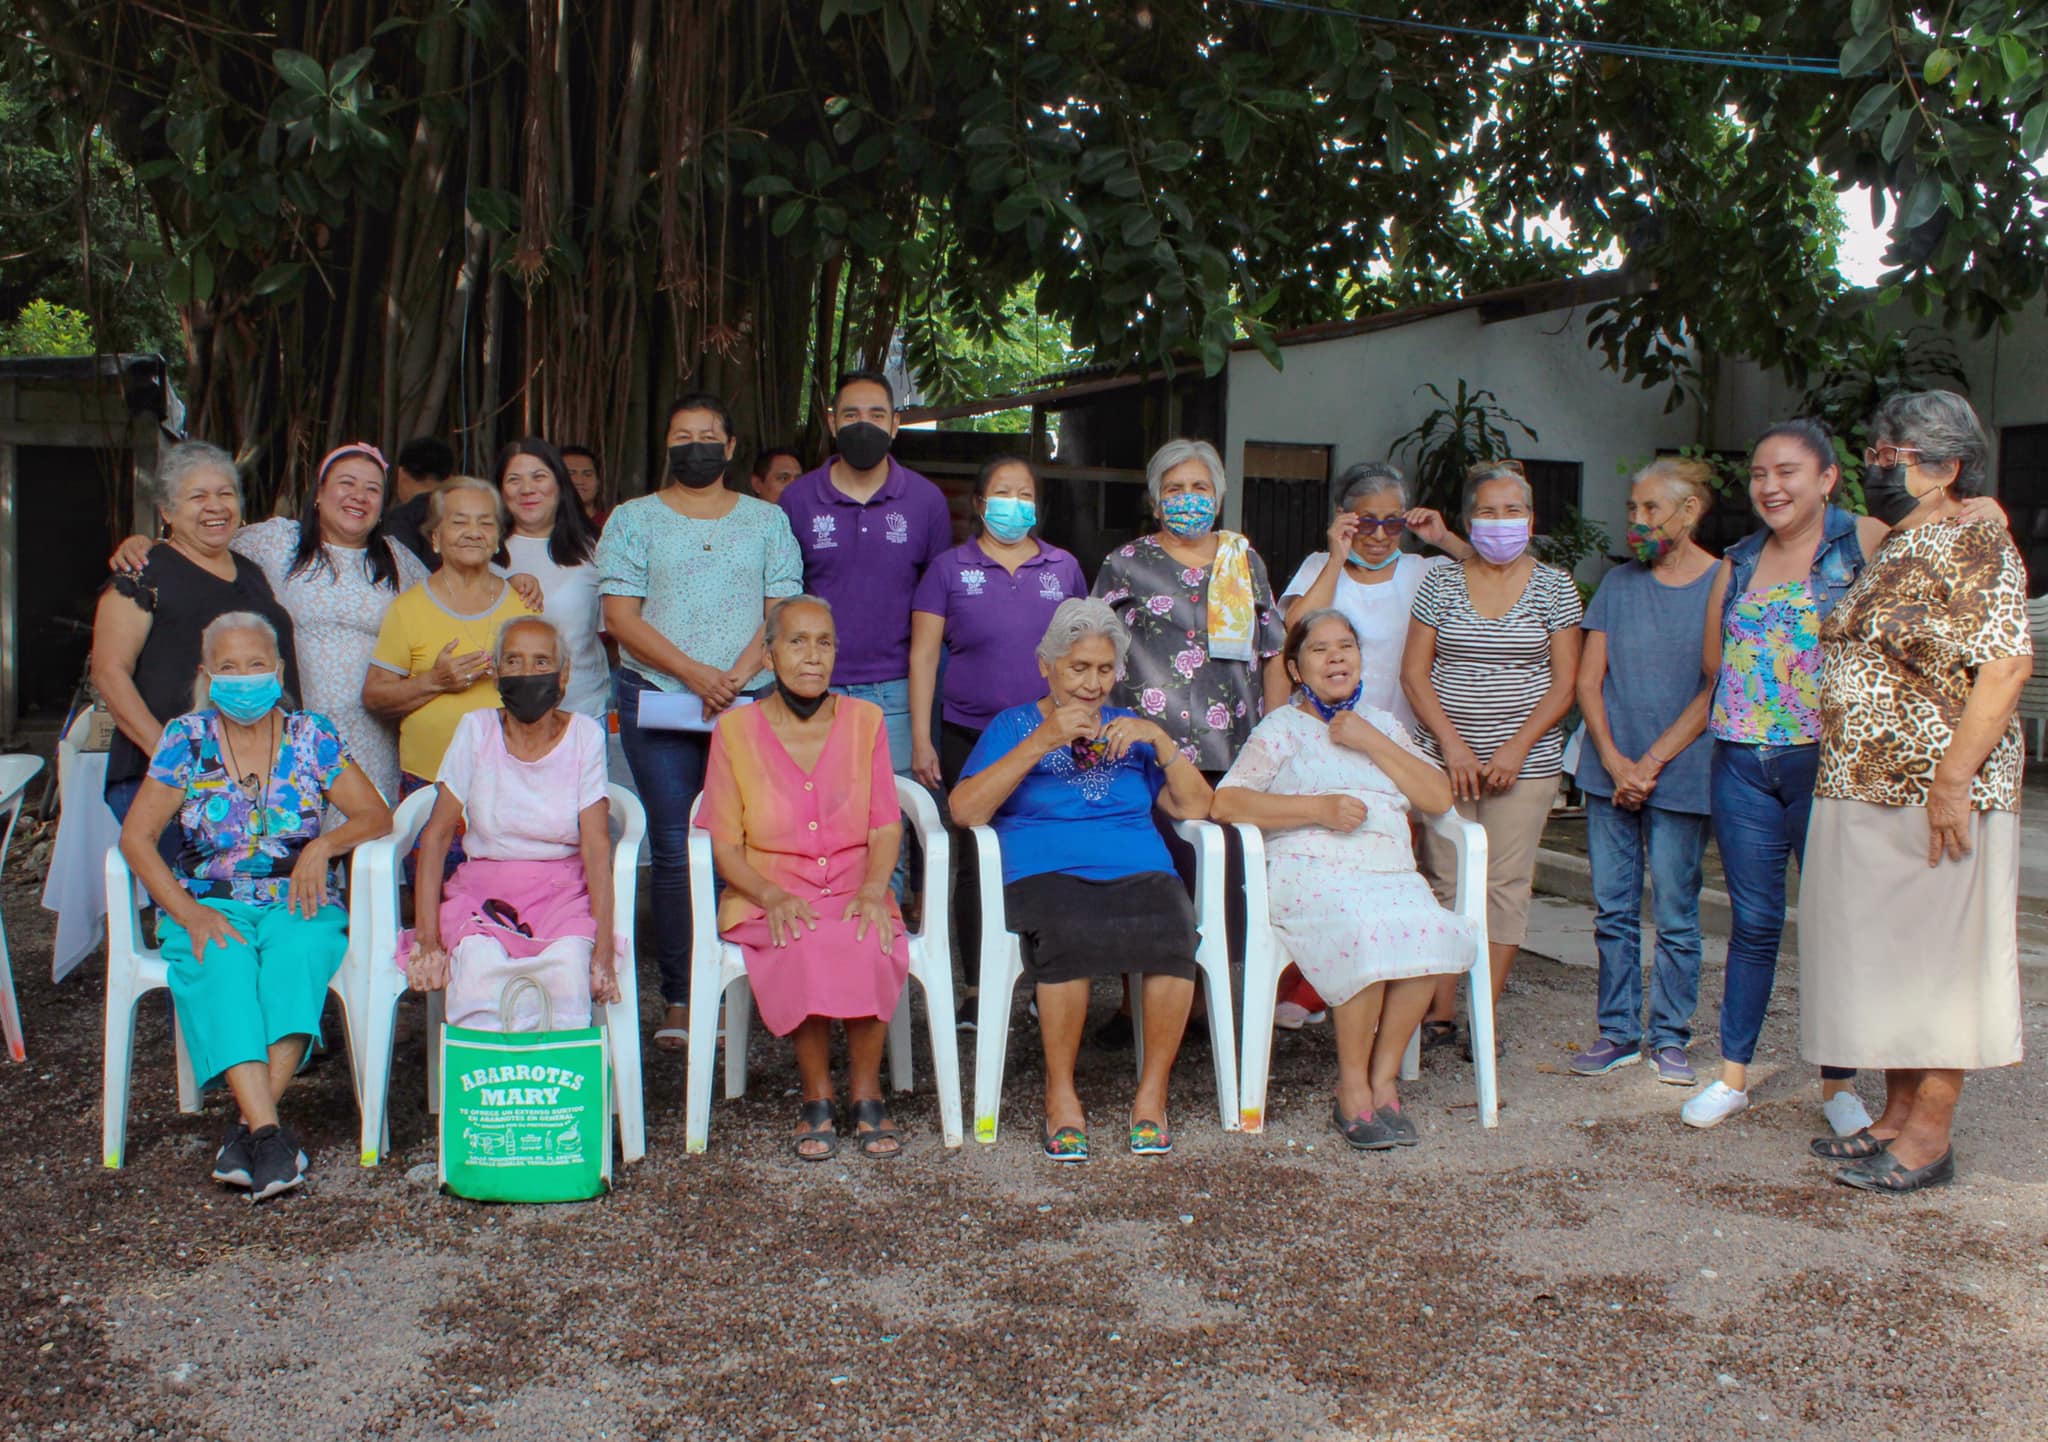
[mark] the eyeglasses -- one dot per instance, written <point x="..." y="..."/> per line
<point x="1392" y="525"/>
<point x="1889" y="456"/>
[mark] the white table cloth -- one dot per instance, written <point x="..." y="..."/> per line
<point x="76" y="887"/>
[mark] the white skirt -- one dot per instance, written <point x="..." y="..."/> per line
<point x="1349" y="929"/>
<point x="1902" y="964"/>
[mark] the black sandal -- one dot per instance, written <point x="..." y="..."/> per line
<point x="817" y="1119"/>
<point x="874" y="1115"/>
<point x="1848" y="1149"/>
<point x="1438" y="1033"/>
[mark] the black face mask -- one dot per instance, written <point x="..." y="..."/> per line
<point x="803" y="707"/>
<point x="528" y="698"/>
<point x="698" y="464"/>
<point x="1885" y="493"/>
<point x="864" y="445"/>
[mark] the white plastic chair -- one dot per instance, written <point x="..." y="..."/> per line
<point x="384" y="983"/>
<point x="134" y="970"/>
<point x="15" y="774"/>
<point x="718" y="972"/>
<point x="1265" y="959"/>
<point x="1002" y="965"/>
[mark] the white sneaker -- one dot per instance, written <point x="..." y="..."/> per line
<point x="1289" y="1016"/>
<point x="1713" y="1106"/>
<point x="1845" y="1113"/>
<point x="1317" y="1018"/>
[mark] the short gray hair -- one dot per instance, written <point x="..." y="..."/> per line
<point x="228" y="621"/>
<point x="1487" y="472"/>
<point x="773" y="630"/>
<point x="178" y="465"/>
<point x="554" y="634"/>
<point x="1174" y="453"/>
<point x="1369" y="478"/>
<point x="437" y="500"/>
<point x="1076" y="619"/>
<point x="1945" y="428"/>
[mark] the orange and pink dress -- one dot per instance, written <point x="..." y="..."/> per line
<point x="806" y="831"/>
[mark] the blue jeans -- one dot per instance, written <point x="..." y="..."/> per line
<point x="1762" y="796"/>
<point x="668" y="772"/>
<point x="894" y="699"/>
<point x="1674" y="842"/>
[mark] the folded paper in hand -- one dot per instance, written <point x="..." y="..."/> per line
<point x="678" y="711"/>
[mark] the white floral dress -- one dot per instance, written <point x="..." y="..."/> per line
<point x="1349" y="909"/>
<point x="336" y="613"/>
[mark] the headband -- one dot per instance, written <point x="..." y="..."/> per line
<point x="352" y="448"/>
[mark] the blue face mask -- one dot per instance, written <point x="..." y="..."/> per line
<point x="1189" y="514"/>
<point x="1365" y="565"/>
<point x="245" y="699"/>
<point x="1009" y="518"/>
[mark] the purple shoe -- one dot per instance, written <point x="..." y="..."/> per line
<point x="1603" y="1056"/>
<point x="1672" y="1067"/>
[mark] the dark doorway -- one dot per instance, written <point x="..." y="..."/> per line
<point x="1286" y="504"/>
<point x="2023" y="491"/>
<point x="62" y="504"/>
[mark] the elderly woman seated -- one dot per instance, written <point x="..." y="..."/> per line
<point x="800" y="801"/>
<point x="1070" y="784"/>
<point x="1333" y="785"/>
<point x="251" y="929"/>
<point x="533" y="896"/>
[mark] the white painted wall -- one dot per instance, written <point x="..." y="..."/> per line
<point x="1358" y="393"/>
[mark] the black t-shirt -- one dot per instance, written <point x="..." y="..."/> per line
<point x="406" y="524"/>
<point x="182" y="597"/>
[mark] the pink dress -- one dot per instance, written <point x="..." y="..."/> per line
<point x="808" y="833"/>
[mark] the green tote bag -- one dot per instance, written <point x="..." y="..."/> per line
<point x="525" y="1116"/>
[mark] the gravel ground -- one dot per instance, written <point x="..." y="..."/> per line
<point x="1590" y="1269"/>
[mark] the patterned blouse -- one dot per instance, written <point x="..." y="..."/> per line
<point x="1900" y="654"/>
<point x="1208" y="706"/>
<point x="1768" y="692"/>
<point x="235" y="848"/>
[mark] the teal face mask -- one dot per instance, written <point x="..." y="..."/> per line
<point x="1365" y="565"/>
<point x="1009" y="518"/>
<point x="245" y="699"/>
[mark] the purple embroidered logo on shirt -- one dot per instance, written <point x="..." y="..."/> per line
<point x="1049" y="587"/>
<point x="821" y="533"/>
<point x="974" y="581"/>
<point x="898" y="528"/>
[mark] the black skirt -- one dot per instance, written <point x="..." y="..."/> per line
<point x="1075" y="930"/>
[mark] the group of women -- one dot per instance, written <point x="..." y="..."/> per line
<point x="1379" y="683"/>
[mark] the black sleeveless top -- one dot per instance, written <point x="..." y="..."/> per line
<point x="182" y="597"/>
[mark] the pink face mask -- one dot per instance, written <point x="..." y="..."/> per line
<point x="1500" y="541"/>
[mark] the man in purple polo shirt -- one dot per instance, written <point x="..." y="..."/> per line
<point x="868" y="526"/>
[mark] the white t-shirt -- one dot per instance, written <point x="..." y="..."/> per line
<point x="574" y="607"/>
<point x="522" y="810"/>
<point x="1380" y="612"/>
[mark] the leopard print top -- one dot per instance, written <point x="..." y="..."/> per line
<point x="1899" y="655"/>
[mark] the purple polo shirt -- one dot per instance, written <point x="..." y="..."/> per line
<point x="994" y="622"/>
<point x="866" y="560"/>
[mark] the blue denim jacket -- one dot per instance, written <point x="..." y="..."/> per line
<point x="1836" y="563"/>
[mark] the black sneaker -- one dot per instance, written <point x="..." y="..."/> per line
<point x="231" y="1165"/>
<point x="298" y="1147"/>
<point x="274" y="1167"/>
<point x="1116" y="1034"/>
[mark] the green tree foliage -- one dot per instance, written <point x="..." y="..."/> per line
<point x="488" y="216"/>
<point x="46" y="329"/>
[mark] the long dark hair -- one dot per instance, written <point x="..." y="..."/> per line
<point x="311" y="557"/>
<point x="571" y="543"/>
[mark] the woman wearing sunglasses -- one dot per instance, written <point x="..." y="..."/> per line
<point x="1370" y="579"/>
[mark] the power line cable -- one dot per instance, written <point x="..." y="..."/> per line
<point x="1733" y="59"/>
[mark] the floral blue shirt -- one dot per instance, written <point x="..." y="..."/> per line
<point x="235" y="848"/>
